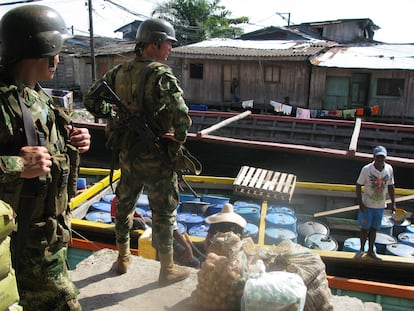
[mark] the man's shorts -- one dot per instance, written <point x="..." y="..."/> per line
<point x="372" y="218"/>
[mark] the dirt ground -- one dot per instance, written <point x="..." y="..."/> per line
<point x="102" y="289"/>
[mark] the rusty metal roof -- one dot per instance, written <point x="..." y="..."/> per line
<point x="372" y="56"/>
<point x="219" y="48"/>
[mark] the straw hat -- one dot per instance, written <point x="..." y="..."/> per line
<point x="226" y="215"/>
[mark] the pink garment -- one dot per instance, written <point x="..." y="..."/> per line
<point x="302" y="113"/>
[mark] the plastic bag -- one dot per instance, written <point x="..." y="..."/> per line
<point x="274" y="291"/>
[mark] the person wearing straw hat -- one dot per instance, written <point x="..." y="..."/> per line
<point x="224" y="221"/>
<point x="377" y="178"/>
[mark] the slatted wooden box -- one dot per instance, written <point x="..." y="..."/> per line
<point x="264" y="184"/>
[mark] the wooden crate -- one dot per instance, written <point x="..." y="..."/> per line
<point x="264" y="184"/>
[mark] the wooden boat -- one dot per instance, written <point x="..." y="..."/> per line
<point x="308" y="200"/>
<point x="309" y="147"/>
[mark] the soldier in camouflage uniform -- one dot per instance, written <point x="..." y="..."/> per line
<point x="151" y="95"/>
<point x="39" y="157"/>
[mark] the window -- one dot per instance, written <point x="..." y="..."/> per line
<point x="196" y="71"/>
<point x="390" y="87"/>
<point x="272" y="74"/>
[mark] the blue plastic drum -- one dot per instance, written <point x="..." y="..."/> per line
<point x="190" y="219"/>
<point x="199" y="230"/>
<point x="354" y="245"/>
<point x="273" y="236"/>
<point x="321" y="241"/>
<point x="410" y="228"/>
<point x="215" y="199"/>
<point x="250" y="212"/>
<point x="182" y="228"/>
<point x="251" y="231"/>
<point x="281" y="220"/>
<point x="81" y="183"/>
<point x="99" y="216"/>
<point x="184" y="197"/>
<point x="279" y="209"/>
<point x="108" y="198"/>
<point x="382" y="240"/>
<point x="214" y="209"/>
<point x="400" y="227"/>
<point x="386" y="225"/>
<point x="400" y="249"/>
<point x="406" y="238"/>
<point x="101" y="206"/>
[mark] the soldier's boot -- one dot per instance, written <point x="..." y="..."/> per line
<point x="124" y="257"/>
<point x="170" y="272"/>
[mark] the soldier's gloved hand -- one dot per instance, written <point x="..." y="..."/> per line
<point x="36" y="160"/>
<point x="171" y="136"/>
<point x="80" y="137"/>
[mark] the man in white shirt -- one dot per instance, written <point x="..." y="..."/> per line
<point x="377" y="178"/>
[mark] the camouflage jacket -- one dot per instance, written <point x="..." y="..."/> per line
<point x="162" y="102"/>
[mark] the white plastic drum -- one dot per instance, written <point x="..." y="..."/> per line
<point x="321" y="241"/>
<point x="400" y="249"/>
<point x="382" y="240"/>
<point x="308" y="227"/>
<point x="406" y="238"/>
<point x="273" y="236"/>
<point x="354" y="245"/>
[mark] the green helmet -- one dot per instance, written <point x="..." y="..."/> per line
<point x="155" y="30"/>
<point x="31" y="31"/>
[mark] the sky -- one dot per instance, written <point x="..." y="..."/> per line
<point x="393" y="17"/>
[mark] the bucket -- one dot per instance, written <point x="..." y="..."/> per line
<point x="308" y="227"/>
<point x="400" y="227"/>
<point x="321" y="241"/>
<point x="184" y="197"/>
<point x="215" y="199"/>
<point x="406" y="238"/>
<point x="382" y="240"/>
<point x="273" y="236"/>
<point x="386" y="225"/>
<point x="101" y="206"/>
<point x="99" y="216"/>
<point x="400" y="249"/>
<point x="250" y="212"/>
<point x="194" y="207"/>
<point x="199" y="230"/>
<point x="251" y="231"/>
<point x="108" y="197"/>
<point x="354" y="245"/>
<point x="190" y="219"/>
<point x="279" y="209"/>
<point x="182" y="228"/>
<point x="281" y="220"/>
<point x="81" y="183"/>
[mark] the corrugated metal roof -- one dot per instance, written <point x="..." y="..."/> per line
<point x="379" y="56"/>
<point x="253" y="48"/>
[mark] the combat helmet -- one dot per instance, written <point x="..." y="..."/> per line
<point x="155" y="30"/>
<point x="31" y="31"/>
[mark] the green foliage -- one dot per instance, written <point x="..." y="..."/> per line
<point x="198" y="20"/>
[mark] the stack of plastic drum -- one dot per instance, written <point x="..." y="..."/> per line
<point x="251" y="231"/>
<point x="100" y="212"/>
<point x="279" y="208"/>
<point x="280" y="226"/>
<point x="249" y="211"/>
<point x="190" y="220"/>
<point x="306" y="228"/>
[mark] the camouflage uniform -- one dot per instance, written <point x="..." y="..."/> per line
<point x="164" y="108"/>
<point x="39" y="248"/>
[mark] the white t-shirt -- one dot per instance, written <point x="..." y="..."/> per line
<point x="375" y="184"/>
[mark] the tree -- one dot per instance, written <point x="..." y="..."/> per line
<point x="198" y="20"/>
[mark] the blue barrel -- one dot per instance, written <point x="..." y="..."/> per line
<point x="321" y="241"/>
<point x="99" y="216"/>
<point x="251" y="231"/>
<point x="194" y="207"/>
<point x="182" y="228"/>
<point x="199" y="230"/>
<point x="108" y="197"/>
<point x="184" y="197"/>
<point x="215" y="199"/>
<point x="281" y="220"/>
<point x="354" y="245"/>
<point x="386" y="225"/>
<point x="400" y="227"/>
<point x="406" y="238"/>
<point x="214" y="209"/>
<point x="190" y="219"/>
<point x="410" y="228"/>
<point x="400" y="249"/>
<point x="101" y="206"/>
<point x="273" y="236"/>
<point x="251" y="213"/>
<point x="308" y="227"/>
<point x="382" y="240"/>
<point x="81" y="183"/>
<point x="279" y="209"/>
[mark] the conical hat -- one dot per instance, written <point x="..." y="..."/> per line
<point x="226" y="215"/>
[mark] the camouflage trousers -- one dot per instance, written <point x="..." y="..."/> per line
<point x="161" y="184"/>
<point x="43" y="280"/>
